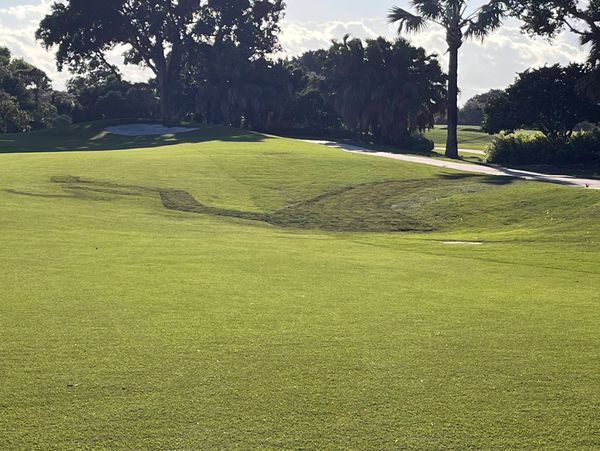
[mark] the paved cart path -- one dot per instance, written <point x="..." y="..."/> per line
<point x="468" y="167"/>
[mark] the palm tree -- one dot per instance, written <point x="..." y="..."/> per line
<point x="459" y="24"/>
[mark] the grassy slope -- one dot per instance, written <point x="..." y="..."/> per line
<point x="125" y="325"/>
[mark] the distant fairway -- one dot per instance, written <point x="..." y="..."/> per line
<point x="469" y="137"/>
<point x="224" y="289"/>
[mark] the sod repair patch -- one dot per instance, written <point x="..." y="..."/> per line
<point x="348" y="210"/>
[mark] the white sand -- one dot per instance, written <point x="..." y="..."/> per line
<point x="146" y="130"/>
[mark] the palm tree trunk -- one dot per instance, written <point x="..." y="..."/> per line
<point x="452" y="142"/>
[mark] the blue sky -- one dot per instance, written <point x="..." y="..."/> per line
<point x="311" y="24"/>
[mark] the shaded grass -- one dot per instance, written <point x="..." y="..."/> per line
<point x="92" y="136"/>
<point x="127" y="325"/>
<point x="576" y="170"/>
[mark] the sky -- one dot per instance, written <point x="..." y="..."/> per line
<point x="312" y="24"/>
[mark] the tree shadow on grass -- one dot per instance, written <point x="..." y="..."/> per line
<point x="367" y="147"/>
<point x="487" y="179"/>
<point x="590" y="170"/>
<point x="509" y="176"/>
<point x="93" y="136"/>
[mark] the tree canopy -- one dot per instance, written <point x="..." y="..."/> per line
<point x="164" y="36"/>
<point x="545" y="99"/>
<point x="379" y="90"/>
<point x="100" y="94"/>
<point x="473" y="110"/>
<point x="27" y="100"/>
<point x="550" y="17"/>
<point x="386" y="90"/>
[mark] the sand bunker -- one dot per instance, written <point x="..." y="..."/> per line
<point x="465" y="243"/>
<point x="146" y="130"/>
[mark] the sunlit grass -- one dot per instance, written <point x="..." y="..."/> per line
<point x="127" y="325"/>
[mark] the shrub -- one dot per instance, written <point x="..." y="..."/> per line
<point x="417" y="143"/>
<point x="518" y="149"/>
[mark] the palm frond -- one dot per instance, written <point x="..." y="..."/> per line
<point x="429" y="9"/>
<point x="594" y="55"/>
<point x="488" y="19"/>
<point x="407" y="21"/>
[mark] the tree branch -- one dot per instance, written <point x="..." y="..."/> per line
<point x="109" y="66"/>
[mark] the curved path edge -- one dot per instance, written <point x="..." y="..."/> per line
<point x="468" y="167"/>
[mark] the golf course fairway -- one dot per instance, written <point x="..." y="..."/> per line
<point x="225" y="289"/>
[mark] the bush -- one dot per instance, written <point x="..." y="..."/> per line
<point x="515" y="149"/>
<point x="417" y="143"/>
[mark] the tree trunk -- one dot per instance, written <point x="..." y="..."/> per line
<point x="165" y="99"/>
<point x="163" y="76"/>
<point x="452" y="142"/>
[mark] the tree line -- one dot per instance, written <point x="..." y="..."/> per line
<point x="212" y="62"/>
<point x="27" y="100"/>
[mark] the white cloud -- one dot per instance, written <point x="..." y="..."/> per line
<point x="17" y="28"/>
<point x="17" y="32"/>
<point x="27" y="11"/>
<point x="491" y="64"/>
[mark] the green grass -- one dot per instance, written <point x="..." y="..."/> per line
<point x="469" y="137"/>
<point x="128" y="325"/>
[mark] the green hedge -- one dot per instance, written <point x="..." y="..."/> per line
<point x="516" y="149"/>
